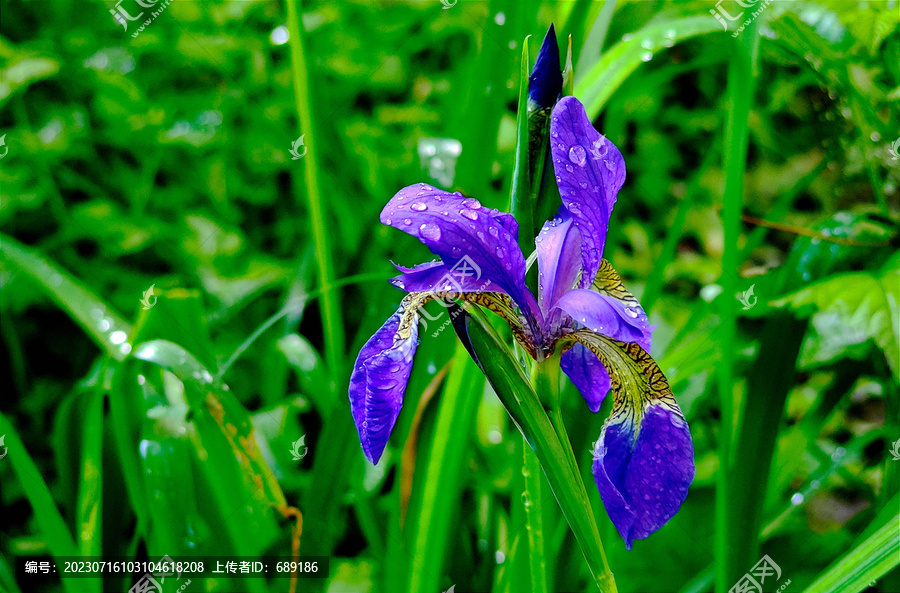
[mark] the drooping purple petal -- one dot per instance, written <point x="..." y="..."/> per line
<point x="472" y="241"/>
<point x="378" y="382"/>
<point x="608" y="316"/>
<point x="559" y="259"/>
<point x="587" y="373"/>
<point x="644" y="471"/>
<point x="590" y="171"/>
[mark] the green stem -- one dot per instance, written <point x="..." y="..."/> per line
<point x="535" y="523"/>
<point x="741" y="83"/>
<point x="523" y="405"/>
<point x="332" y="323"/>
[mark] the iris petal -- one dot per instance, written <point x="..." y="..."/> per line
<point x="380" y="376"/>
<point x="605" y="315"/>
<point x="590" y="172"/>
<point x="644" y="458"/>
<point x="559" y="259"/>
<point x="472" y="241"/>
<point x="587" y="373"/>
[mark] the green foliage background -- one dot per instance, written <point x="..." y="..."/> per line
<point x="163" y="160"/>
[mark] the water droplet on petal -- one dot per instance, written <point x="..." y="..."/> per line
<point x="472" y="203"/>
<point x="430" y="231"/>
<point x="407" y="221"/>
<point x="470" y="214"/>
<point x="387" y="221"/>
<point x="577" y="155"/>
<point x="570" y="169"/>
<point x="582" y="184"/>
<point x="501" y="253"/>
<point x="631" y="312"/>
<point x="494" y="232"/>
<point x="419" y="206"/>
<point x="609" y="164"/>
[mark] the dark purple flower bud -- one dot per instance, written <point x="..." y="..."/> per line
<point x="545" y="82"/>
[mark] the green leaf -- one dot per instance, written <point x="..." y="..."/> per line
<point x="863" y="565"/>
<point x="523" y="405"/>
<point x="100" y="321"/>
<point x="52" y="525"/>
<point x="18" y="74"/>
<point x="442" y="478"/>
<point x="867" y="302"/>
<point x="599" y="83"/>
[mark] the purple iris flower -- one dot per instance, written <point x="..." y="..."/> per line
<point x="643" y="461"/>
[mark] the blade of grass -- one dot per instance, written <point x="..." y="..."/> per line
<point x="332" y="322"/>
<point x="595" y="86"/>
<point x="742" y="74"/>
<point x="90" y="491"/>
<point x="443" y="473"/>
<point x="657" y="278"/>
<point x="100" y="321"/>
<point x="52" y="525"/>
<point x="859" y="568"/>
<point x="534" y="515"/>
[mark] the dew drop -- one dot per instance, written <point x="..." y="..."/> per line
<point x="609" y="165"/>
<point x="407" y="221"/>
<point x="577" y="155"/>
<point x="631" y="312"/>
<point x="472" y="203"/>
<point x="582" y="184"/>
<point x="646" y="56"/>
<point x="647" y="44"/>
<point x="387" y="221"/>
<point x="494" y="232"/>
<point x="430" y="231"/>
<point x="501" y="253"/>
<point x="797" y="499"/>
<point x="570" y="169"/>
<point x="470" y="214"/>
<point x="419" y="206"/>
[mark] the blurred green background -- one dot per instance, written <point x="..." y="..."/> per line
<point x="141" y="424"/>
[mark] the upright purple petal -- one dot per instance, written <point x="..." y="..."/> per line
<point x="644" y="470"/>
<point x="590" y="172"/>
<point x="467" y="237"/>
<point x="607" y="315"/>
<point x="587" y="373"/>
<point x="559" y="259"/>
<point x="379" y="380"/>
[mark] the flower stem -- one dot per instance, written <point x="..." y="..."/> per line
<point x="545" y="380"/>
